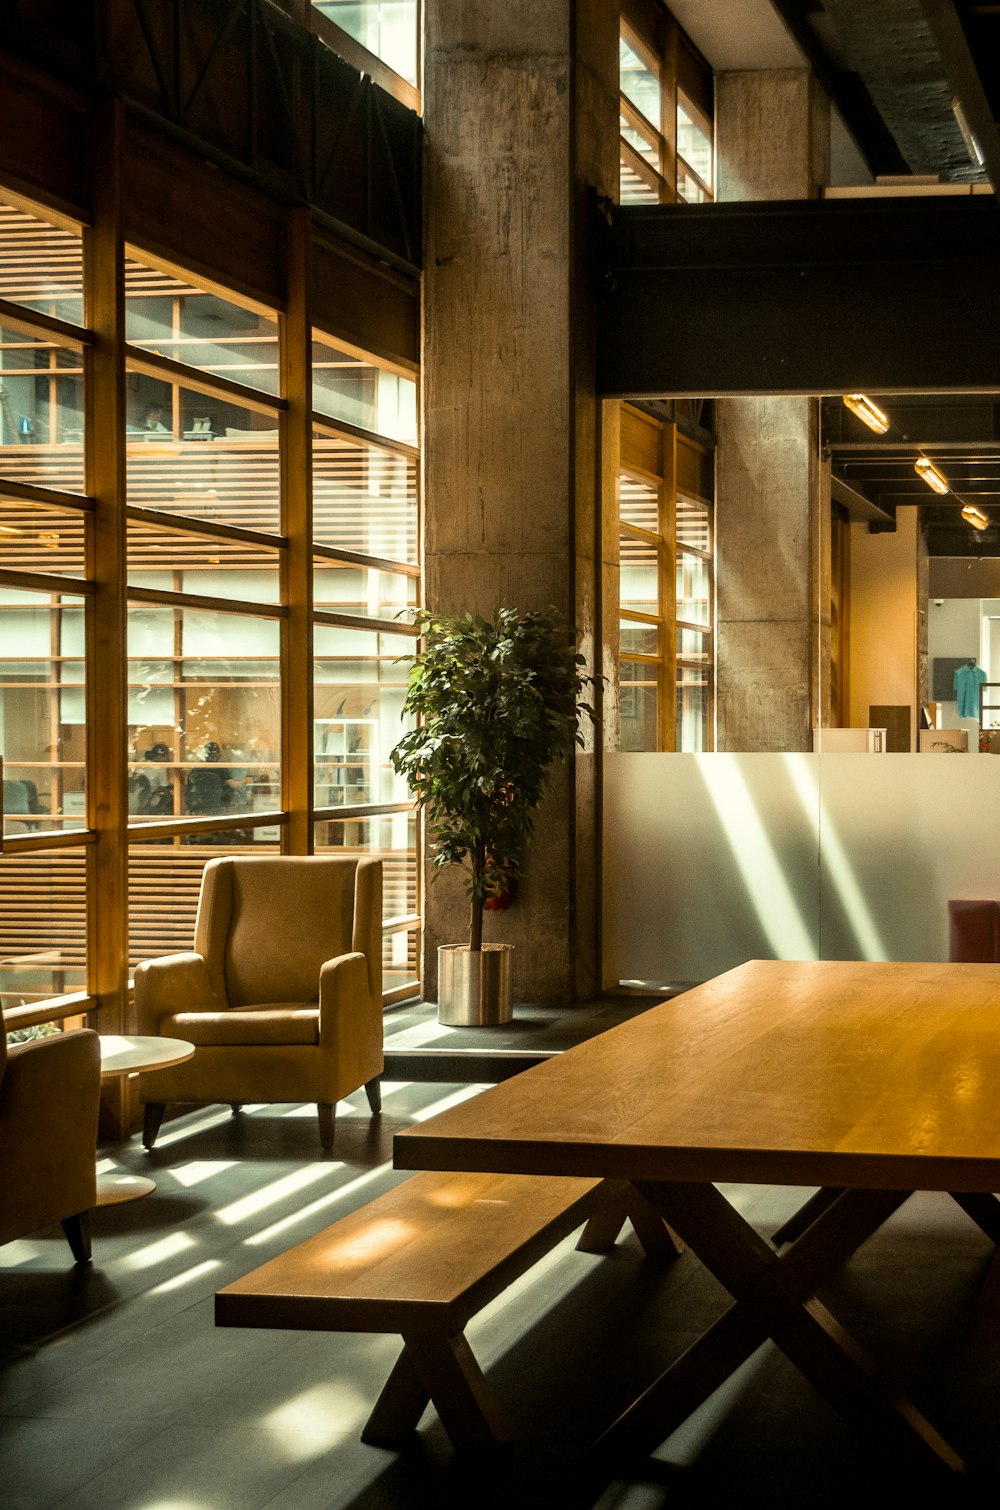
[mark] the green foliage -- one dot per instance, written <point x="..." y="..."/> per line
<point x="498" y="704"/>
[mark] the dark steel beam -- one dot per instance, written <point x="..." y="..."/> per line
<point x="883" y="295"/>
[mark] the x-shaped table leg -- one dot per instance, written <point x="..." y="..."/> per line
<point x="774" y="1297"/>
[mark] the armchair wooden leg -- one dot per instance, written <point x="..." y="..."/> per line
<point x="151" y="1119"/>
<point x="77" y="1231"/>
<point x="373" y="1090"/>
<point x="237" y="1107"/>
<point x="327" y="1119"/>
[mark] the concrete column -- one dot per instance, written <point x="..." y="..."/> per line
<point x="520" y="108"/>
<point x="773" y="547"/>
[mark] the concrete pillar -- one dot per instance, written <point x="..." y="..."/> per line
<point x="772" y="531"/>
<point x="520" y="109"/>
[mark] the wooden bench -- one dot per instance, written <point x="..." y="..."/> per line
<point x="421" y="1260"/>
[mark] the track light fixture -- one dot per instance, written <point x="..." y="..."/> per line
<point x="975" y="517"/>
<point x="868" y="412"/>
<point x="930" y="474"/>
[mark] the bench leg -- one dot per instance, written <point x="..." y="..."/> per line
<point x="399" y="1407"/>
<point x="455" y="1383"/>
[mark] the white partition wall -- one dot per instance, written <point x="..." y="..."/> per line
<point x="714" y="859"/>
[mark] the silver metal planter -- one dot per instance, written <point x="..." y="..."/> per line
<point x="475" y="987"/>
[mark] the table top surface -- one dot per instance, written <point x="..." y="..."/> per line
<point x="863" y="1074"/>
<point x="126" y="1054"/>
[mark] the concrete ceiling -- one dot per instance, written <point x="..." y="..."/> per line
<point x="892" y="68"/>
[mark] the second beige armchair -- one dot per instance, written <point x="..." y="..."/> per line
<point x="282" y="994"/>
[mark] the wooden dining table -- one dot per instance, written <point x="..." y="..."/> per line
<point x="867" y="1080"/>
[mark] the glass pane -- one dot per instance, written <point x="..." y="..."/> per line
<point x="639" y="639"/>
<point x="388" y="28"/>
<point x="33" y="538"/>
<point x="694" y="524"/>
<point x="360" y="683"/>
<point x="646" y="143"/>
<point x="42" y="712"/>
<point x="633" y="188"/>
<point x="364" y="499"/>
<point x="169" y="315"/>
<point x="204" y="687"/>
<point x="639" y="575"/>
<point x="694" y="588"/>
<point x="694" y="645"/>
<point x="392" y="838"/>
<point x="692" y="710"/>
<point x="638" y="503"/>
<point x="43" y="926"/>
<point x="343" y="588"/>
<point x="355" y="390"/>
<point x="164" y="877"/>
<point x="42" y="265"/>
<point x="694" y="142"/>
<point x="638" y="82"/>
<point x="638" y="706"/>
<point x="205" y="458"/>
<point x="181" y="561"/>
<point x="41" y="411"/>
<point x="689" y="188"/>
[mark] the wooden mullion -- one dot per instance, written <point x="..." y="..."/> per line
<point x="239" y="606"/>
<point x="29" y="492"/>
<point x="334" y="428"/>
<point x="106" y="693"/>
<point x="183" y="524"/>
<point x="212" y="386"/>
<point x="361" y="622"/>
<point x="35" y="323"/>
<point x="358" y="558"/>
<point x="668" y="587"/>
<point x="297" y="527"/>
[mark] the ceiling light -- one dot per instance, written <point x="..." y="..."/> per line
<point x="975" y="517"/>
<point x="870" y="414"/>
<point x="972" y="146"/>
<point x="930" y="474"/>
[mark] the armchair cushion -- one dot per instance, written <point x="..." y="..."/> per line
<point x="272" y="1024"/>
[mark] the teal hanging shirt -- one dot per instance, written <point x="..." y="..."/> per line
<point x="968" y="679"/>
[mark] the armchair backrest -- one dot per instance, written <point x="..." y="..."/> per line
<point x="266" y="925"/>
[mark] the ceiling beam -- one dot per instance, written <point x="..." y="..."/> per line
<point x="965" y="79"/>
<point x="811" y="297"/>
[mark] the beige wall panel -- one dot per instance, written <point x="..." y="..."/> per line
<point x="188" y="212"/>
<point x="884" y="617"/>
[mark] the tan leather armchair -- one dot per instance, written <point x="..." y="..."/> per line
<point x="282" y="995"/>
<point x="50" y="1092"/>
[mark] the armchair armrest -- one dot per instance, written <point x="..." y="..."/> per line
<point x="172" y="983"/>
<point x="49" y="1103"/>
<point x="350" y="1019"/>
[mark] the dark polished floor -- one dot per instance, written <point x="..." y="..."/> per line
<point x="116" y="1389"/>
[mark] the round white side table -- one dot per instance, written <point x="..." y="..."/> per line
<point x="129" y="1055"/>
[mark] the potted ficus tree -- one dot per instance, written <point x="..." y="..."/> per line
<point x="497" y="703"/>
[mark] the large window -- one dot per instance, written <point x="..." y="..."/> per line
<point x="665" y="112"/>
<point x="387" y="29"/>
<point x="175" y="648"/>
<point x="666" y="640"/>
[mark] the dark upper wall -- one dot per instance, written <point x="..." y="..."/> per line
<point x="250" y="89"/>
